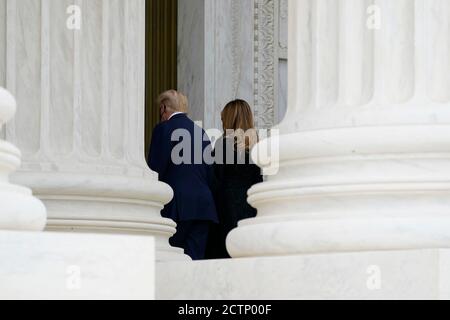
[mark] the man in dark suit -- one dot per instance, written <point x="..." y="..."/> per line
<point x="176" y="154"/>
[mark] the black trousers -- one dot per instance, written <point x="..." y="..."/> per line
<point x="192" y="236"/>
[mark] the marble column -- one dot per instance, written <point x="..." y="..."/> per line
<point x="19" y="210"/>
<point x="364" y="150"/>
<point x="81" y="122"/>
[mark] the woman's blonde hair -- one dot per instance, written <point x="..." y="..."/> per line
<point x="174" y="101"/>
<point x="238" y="124"/>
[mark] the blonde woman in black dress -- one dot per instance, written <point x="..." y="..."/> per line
<point x="235" y="174"/>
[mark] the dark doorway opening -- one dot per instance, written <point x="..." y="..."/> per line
<point x="161" y="57"/>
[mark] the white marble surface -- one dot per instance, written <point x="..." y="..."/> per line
<point x="192" y="55"/>
<point x="217" y="57"/>
<point x="19" y="210"/>
<point x="233" y="55"/>
<point x="49" y="266"/>
<point x="421" y="274"/>
<point x="283" y="63"/>
<point x="282" y="93"/>
<point x="394" y="75"/>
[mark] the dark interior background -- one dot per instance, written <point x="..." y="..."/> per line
<point x="161" y="57"/>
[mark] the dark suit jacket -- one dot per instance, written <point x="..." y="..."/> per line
<point x="191" y="182"/>
<point x="233" y="180"/>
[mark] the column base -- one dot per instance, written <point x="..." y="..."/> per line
<point x="265" y="238"/>
<point x="19" y="210"/>
<point x="352" y="189"/>
<point x="41" y="266"/>
<point x="106" y="204"/>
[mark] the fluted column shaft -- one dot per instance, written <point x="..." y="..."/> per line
<point x="81" y="125"/>
<point x="347" y="73"/>
<point x="364" y="149"/>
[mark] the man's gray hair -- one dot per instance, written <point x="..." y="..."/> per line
<point x="174" y="101"/>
